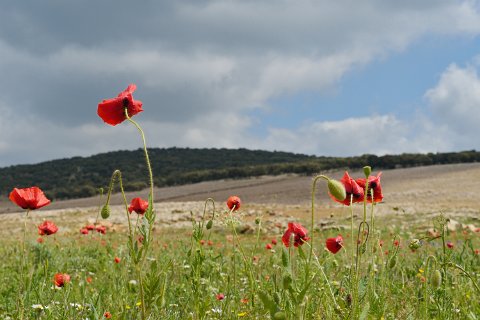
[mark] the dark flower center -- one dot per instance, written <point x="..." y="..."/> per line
<point x="125" y="102"/>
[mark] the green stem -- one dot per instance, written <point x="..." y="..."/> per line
<point x="312" y="230"/>
<point x="22" y="265"/>
<point x="425" y="300"/>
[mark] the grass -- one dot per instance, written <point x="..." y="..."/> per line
<point x="186" y="275"/>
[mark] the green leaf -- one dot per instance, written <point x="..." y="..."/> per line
<point x="365" y="311"/>
<point x="285" y="258"/>
<point x="268" y="302"/>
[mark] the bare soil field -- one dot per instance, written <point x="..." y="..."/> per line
<point x="419" y="192"/>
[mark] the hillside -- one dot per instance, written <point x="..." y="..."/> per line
<point x="82" y="176"/>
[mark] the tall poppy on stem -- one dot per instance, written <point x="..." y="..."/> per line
<point x="373" y="184"/>
<point x="298" y="232"/>
<point x="47" y="228"/>
<point x="31" y="198"/>
<point x="138" y="205"/>
<point x="234" y="203"/>
<point x="334" y="244"/>
<point x="352" y="189"/>
<point x="112" y="111"/>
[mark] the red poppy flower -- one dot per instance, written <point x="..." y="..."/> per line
<point x="373" y="184"/>
<point x="352" y="189"/>
<point x="450" y="245"/>
<point x="269" y="246"/>
<point x="210" y="242"/>
<point x="101" y="229"/>
<point x="47" y="228"/>
<point x="220" y="296"/>
<point x="117" y="260"/>
<point x="234" y="203"/>
<point x="40" y="240"/>
<point x="90" y="227"/>
<point x="107" y="315"/>
<point x="299" y="233"/>
<point x="84" y="231"/>
<point x="334" y="244"/>
<point x="138" y="205"/>
<point x="112" y="111"/>
<point x="274" y="241"/>
<point x="60" y="279"/>
<point x="29" y="198"/>
<point x="89" y="279"/>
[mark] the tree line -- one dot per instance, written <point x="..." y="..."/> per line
<point x="79" y="177"/>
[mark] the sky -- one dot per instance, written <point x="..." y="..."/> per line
<point x="335" y="78"/>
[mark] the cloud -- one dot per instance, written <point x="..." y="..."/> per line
<point x="196" y="63"/>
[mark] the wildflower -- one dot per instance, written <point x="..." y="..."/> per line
<point x="117" y="260"/>
<point x="244" y="300"/>
<point x="101" y="229"/>
<point x="40" y="240"/>
<point x="210" y="242"/>
<point x="274" y="242"/>
<point x="220" y="296"/>
<point x="202" y="242"/>
<point x="112" y="111"/>
<point x="37" y="306"/>
<point x="47" y="228"/>
<point x="90" y="227"/>
<point x="396" y="243"/>
<point x="84" y="231"/>
<point x="334" y="244"/>
<point x="89" y="279"/>
<point x="138" y="205"/>
<point x="415" y="244"/>
<point x="269" y="246"/>
<point x="60" y="279"/>
<point x="352" y="189"/>
<point x="29" y="198"/>
<point x="477" y="251"/>
<point x="234" y="203"/>
<point x="373" y="184"/>
<point x="107" y="315"/>
<point x="299" y="233"/>
<point x="450" y="245"/>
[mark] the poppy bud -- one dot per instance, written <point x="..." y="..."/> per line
<point x="279" y="315"/>
<point x="367" y="170"/>
<point x="209" y="224"/>
<point x="105" y="211"/>
<point x="415" y="244"/>
<point x="337" y="189"/>
<point x="392" y="262"/>
<point x="436" y="278"/>
<point x="257" y="220"/>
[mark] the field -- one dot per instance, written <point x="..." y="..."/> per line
<point x="194" y="273"/>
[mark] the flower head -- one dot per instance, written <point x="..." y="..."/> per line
<point x="450" y="245"/>
<point x="117" y="260"/>
<point x="298" y="232"/>
<point x="112" y="111"/>
<point x="138" y="205"/>
<point x="47" y="228"/>
<point x="107" y="315"/>
<point x="101" y="229"/>
<point x="234" y="203"/>
<point x="334" y="244"/>
<point x="40" y="240"/>
<point x="84" y="231"/>
<point x="60" y="279"/>
<point x="220" y="296"/>
<point x="352" y="189"/>
<point x="29" y="198"/>
<point x="269" y="246"/>
<point x="373" y="184"/>
<point x="90" y="227"/>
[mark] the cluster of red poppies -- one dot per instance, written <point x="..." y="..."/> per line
<point x="355" y="189"/>
<point x="90" y="227"/>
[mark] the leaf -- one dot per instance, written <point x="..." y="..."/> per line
<point x="285" y="259"/>
<point x="301" y="253"/>
<point x="268" y="302"/>
<point x="365" y="311"/>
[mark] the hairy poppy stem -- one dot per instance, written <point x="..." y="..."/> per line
<point x="425" y="300"/>
<point x="22" y="265"/>
<point x="314" y="184"/>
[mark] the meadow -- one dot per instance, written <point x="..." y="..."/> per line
<point x="291" y="247"/>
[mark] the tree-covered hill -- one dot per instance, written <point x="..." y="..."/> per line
<point x="82" y="176"/>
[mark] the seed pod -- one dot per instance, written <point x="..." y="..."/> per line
<point x="105" y="211"/>
<point x="209" y="224"/>
<point x="392" y="262"/>
<point x="337" y="189"/>
<point x="279" y="315"/>
<point x="436" y="279"/>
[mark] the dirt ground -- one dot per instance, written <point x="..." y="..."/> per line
<point x="420" y="192"/>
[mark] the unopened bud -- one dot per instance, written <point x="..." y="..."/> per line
<point x="105" y="211"/>
<point x="415" y="244"/>
<point x="436" y="278"/>
<point x="337" y="189"/>
<point x="367" y="170"/>
<point x="257" y="220"/>
<point x="209" y="224"/>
